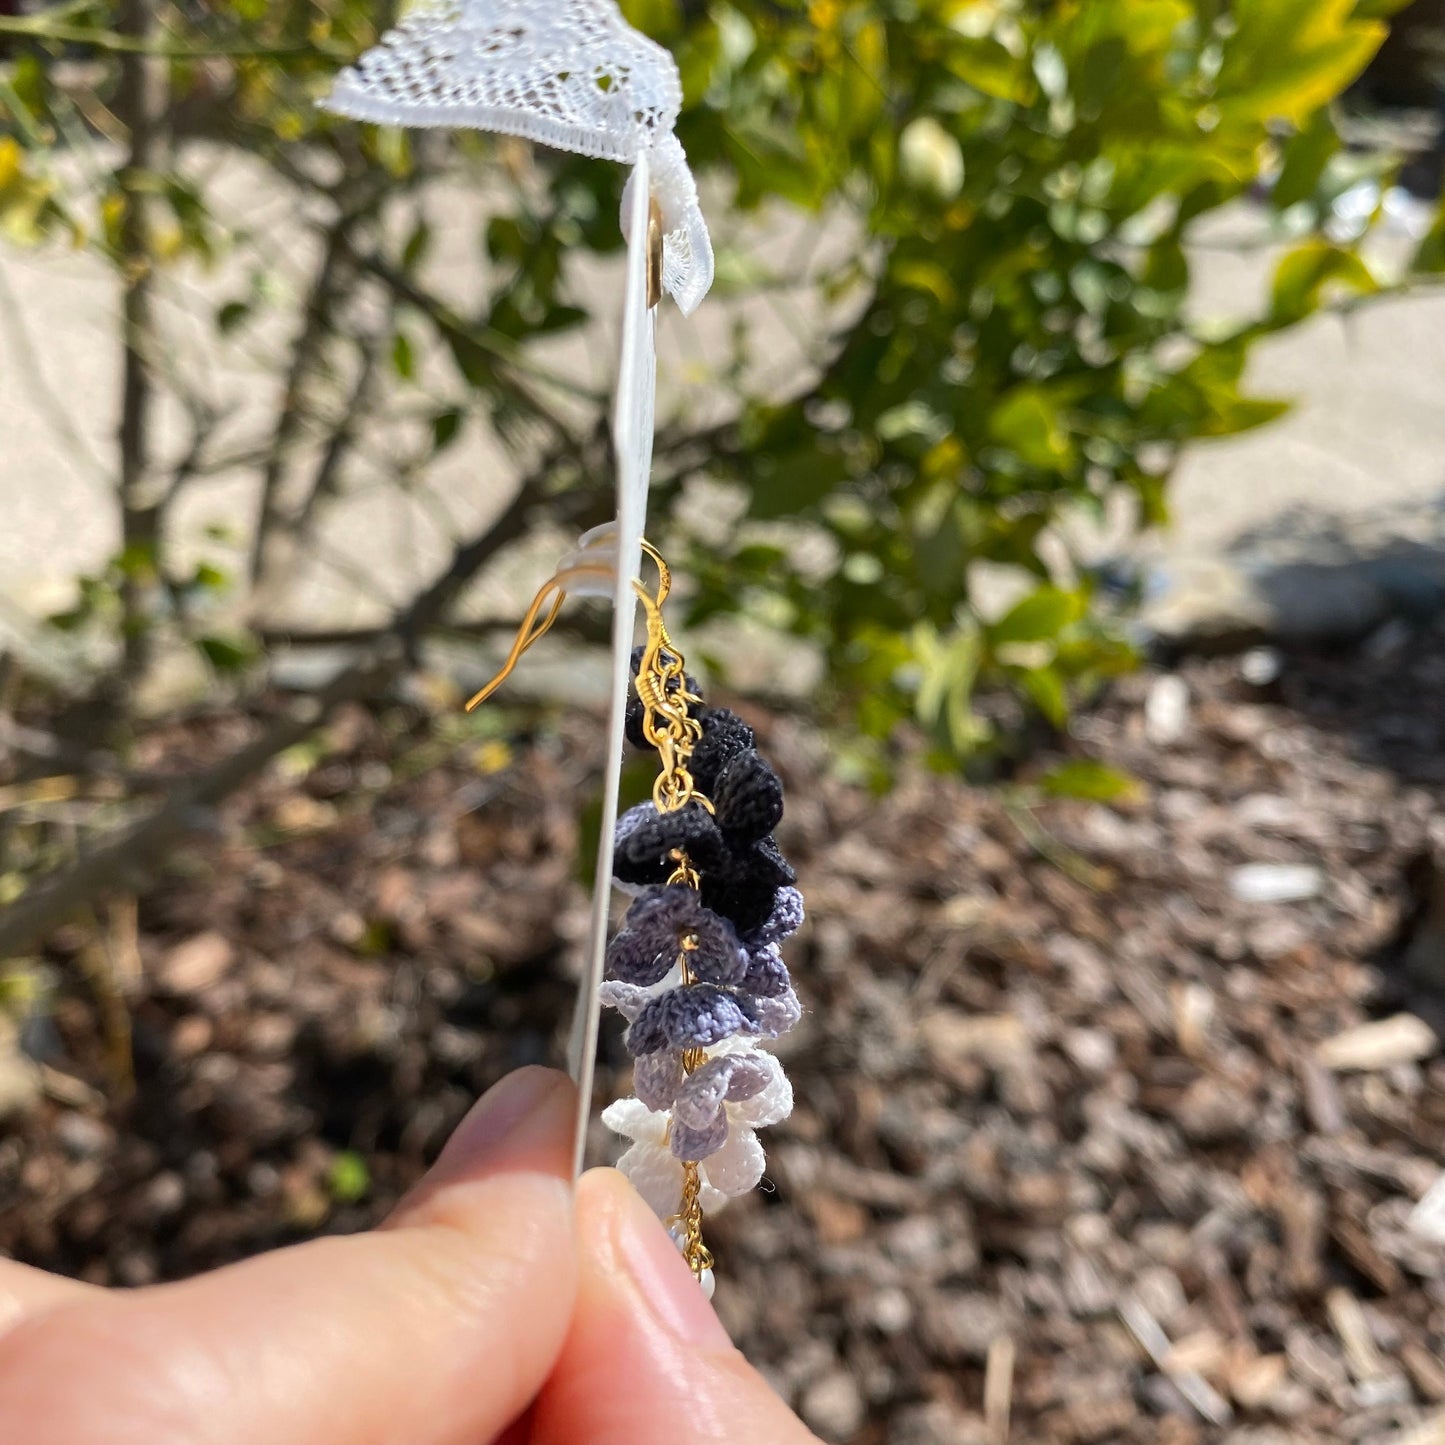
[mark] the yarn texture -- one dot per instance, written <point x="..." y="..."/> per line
<point x="704" y="1086"/>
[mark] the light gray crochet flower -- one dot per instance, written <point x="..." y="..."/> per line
<point x="734" y="1166"/>
<point x="657" y="1078"/>
<point x="777" y="1015"/>
<point x="699" y="1121"/>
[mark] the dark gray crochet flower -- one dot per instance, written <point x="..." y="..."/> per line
<point x="660" y="924"/>
<point x="766" y="975"/>
<point x="695" y="1016"/>
<point x="784" y="921"/>
<point x="647" y="841"/>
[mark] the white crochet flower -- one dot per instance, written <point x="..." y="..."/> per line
<point x="735" y="1169"/>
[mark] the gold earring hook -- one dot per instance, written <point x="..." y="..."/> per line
<point x="529" y="632"/>
<point x="532" y="631"/>
<point x="664" y="572"/>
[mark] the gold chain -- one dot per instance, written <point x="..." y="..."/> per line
<point x="662" y="686"/>
<point x="674" y="732"/>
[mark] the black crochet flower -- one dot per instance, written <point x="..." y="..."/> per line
<point x="740" y="880"/>
<point x="743" y="885"/>
<point x="724" y="736"/>
<point x="747" y="797"/>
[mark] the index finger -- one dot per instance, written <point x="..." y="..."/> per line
<point x="435" y="1330"/>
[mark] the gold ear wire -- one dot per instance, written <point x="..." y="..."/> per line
<point x="664" y="572"/>
<point x="532" y="631"/>
<point x="529" y="632"/>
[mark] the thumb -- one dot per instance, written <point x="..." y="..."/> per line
<point x="435" y="1330"/>
<point x="647" y="1362"/>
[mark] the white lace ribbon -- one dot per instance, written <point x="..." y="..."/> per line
<point x="569" y="73"/>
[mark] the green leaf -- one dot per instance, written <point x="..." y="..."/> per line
<point x="1305" y="158"/>
<point x="137" y="560"/>
<point x="1167" y="266"/>
<point x="417" y="246"/>
<point x="1046" y="687"/>
<point x="1286" y="58"/>
<point x="1303" y="274"/>
<point x="1090" y="780"/>
<point x="786" y="483"/>
<point x="393" y="150"/>
<point x="948" y="670"/>
<point x="1379" y="9"/>
<point x="1027" y="421"/>
<point x="446" y="426"/>
<point x="988" y="67"/>
<point x="506" y="240"/>
<point x="1039" y="617"/>
<point x="403" y="357"/>
<point x="660" y="19"/>
<point x="226" y="654"/>
<point x="231" y="316"/>
<point x="1243" y="414"/>
<point x="560" y="318"/>
<point x="348" y="1180"/>
<point x="1429" y="257"/>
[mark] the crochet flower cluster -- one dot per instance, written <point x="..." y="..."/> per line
<point x="737" y="992"/>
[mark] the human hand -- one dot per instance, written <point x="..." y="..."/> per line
<point x="495" y="1304"/>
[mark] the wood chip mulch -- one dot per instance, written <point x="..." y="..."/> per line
<point x="1113" y="1120"/>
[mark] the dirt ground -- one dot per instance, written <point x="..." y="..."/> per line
<point x="1084" y="1111"/>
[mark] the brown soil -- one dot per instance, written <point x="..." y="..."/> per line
<point x="1058" y="1086"/>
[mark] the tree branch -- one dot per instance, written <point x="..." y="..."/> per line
<point x="189" y="806"/>
<point x="305" y="351"/>
<point x="324" y="479"/>
<point x="139" y="100"/>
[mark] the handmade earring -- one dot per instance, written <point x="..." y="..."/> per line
<point x="697" y="970"/>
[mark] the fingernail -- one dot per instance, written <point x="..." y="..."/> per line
<point x="646" y="1251"/>
<point x="528" y="1107"/>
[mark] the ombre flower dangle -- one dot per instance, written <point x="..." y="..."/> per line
<point x="696" y="969"/>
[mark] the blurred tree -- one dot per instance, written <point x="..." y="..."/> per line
<point x="1011" y="184"/>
